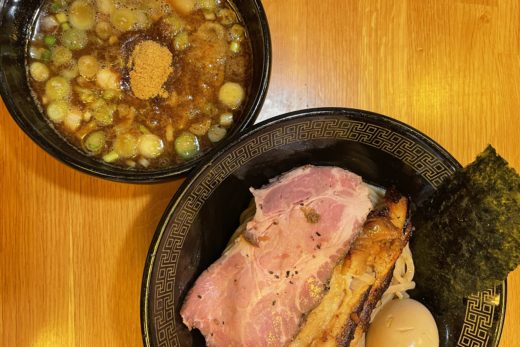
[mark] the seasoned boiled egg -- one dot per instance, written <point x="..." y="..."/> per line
<point x="403" y="323"/>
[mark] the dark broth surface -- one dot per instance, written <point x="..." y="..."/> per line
<point x="140" y="83"/>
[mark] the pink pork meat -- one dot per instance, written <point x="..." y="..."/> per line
<point x="260" y="290"/>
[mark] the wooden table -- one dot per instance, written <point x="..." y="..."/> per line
<point x="73" y="247"/>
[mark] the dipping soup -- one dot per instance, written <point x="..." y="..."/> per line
<point x="140" y="83"/>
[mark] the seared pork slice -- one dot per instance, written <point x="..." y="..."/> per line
<point x="359" y="281"/>
<point x="260" y="290"/>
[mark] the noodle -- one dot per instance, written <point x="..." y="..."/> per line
<point x="402" y="281"/>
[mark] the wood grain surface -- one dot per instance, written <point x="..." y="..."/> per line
<point x="72" y="247"/>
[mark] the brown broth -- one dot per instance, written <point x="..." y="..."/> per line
<point x="192" y="103"/>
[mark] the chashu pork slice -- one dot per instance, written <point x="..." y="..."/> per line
<point x="359" y="281"/>
<point x="259" y="292"/>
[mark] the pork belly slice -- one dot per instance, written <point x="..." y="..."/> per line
<point x="259" y="292"/>
<point x="359" y="281"/>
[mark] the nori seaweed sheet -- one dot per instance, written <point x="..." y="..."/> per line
<point x="467" y="235"/>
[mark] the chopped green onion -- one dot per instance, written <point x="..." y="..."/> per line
<point x="142" y="21"/>
<point x="35" y="52"/>
<point x="169" y="132"/>
<point x="103" y="30"/>
<point x="234" y="47"/>
<point x="208" y="5"/>
<point x="95" y="142"/>
<point x="65" y="26"/>
<point x="73" y="118"/>
<point x="71" y="72"/>
<point x="181" y="41"/>
<point x="123" y="19"/>
<point x="173" y="24"/>
<point x="150" y="146"/>
<point x="82" y="15"/>
<point x="57" y="110"/>
<point x="56" y="7"/>
<point x="210" y="109"/>
<point x="109" y="94"/>
<point x="110" y="157"/>
<point x="208" y="14"/>
<point x="144" y="162"/>
<point x="112" y="40"/>
<point x="61" y="55"/>
<point x="46" y="55"/>
<point x="61" y="17"/>
<point x="187" y="145"/>
<point x="216" y="133"/>
<point x="88" y="66"/>
<point x="200" y="128"/>
<point x="74" y="39"/>
<point x="49" y="23"/>
<point x="103" y="112"/>
<point x="49" y="40"/>
<point x="86" y="129"/>
<point x="237" y="32"/>
<point x="143" y="129"/>
<point x="231" y="94"/>
<point x="106" y="6"/>
<point x="226" y="16"/>
<point x="39" y="71"/>
<point x="125" y="145"/>
<point x="226" y="119"/>
<point x="108" y="79"/>
<point x="57" y="88"/>
<point x="85" y="95"/>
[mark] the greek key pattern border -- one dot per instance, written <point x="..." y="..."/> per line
<point x="327" y="127"/>
<point x="479" y="319"/>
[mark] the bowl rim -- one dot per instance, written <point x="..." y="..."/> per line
<point x="156" y="176"/>
<point x="286" y="117"/>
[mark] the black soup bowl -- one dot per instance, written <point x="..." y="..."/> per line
<point x="206" y="209"/>
<point x="16" y="21"/>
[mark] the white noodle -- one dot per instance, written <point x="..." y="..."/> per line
<point x="402" y="281"/>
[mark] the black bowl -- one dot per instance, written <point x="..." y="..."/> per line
<point x="205" y="211"/>
<point x="16" y="22"/>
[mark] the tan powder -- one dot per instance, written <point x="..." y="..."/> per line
<point x="150" y="66"/>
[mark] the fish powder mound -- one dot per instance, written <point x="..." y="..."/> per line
<point x="150" y="66"/>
